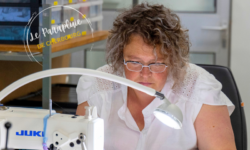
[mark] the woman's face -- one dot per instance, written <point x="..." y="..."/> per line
<point x="139" y="51"/>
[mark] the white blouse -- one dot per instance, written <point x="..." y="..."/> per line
<point x="120" y="129"/>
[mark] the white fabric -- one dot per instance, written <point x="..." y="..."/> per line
<point x="122" y="132"/>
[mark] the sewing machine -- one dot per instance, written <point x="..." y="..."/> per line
<point x="64" y="132"/>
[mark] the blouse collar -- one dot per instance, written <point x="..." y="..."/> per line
<point x="147" y="112"/>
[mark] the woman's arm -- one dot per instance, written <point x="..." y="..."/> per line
<point x="81" y="108"/>
<point x="213" y="128"/>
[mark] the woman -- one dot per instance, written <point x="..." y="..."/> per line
<point x="147" y="45"/>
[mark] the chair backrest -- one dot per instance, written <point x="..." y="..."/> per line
<point x="229" y="87"/>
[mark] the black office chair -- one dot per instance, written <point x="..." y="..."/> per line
<point x="229" y="87"/>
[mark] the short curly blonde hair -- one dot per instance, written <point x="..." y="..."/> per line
<point x="157" y="25"/>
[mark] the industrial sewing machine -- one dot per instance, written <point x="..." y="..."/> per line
<point x="64" y="132"/>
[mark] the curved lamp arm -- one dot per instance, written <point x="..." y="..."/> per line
<point x="74" y="71"/>
<point x="175" y="115"/>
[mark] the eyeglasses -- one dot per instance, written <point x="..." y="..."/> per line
<point x="137" y="67"/>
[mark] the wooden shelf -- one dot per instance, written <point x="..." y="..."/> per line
<point x="79" y="41"/>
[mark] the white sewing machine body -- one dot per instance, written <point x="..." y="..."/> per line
<point x="62" y="130"/>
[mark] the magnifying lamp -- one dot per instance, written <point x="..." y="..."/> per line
<point x="167" y="113"/>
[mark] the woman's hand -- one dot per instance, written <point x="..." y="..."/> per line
<point x="213" y="128"/>
<point x="81" y="109"/>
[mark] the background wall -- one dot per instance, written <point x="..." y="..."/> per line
<point x="240" y="53"/>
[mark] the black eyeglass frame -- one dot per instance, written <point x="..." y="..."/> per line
<point x="148" y="66"/>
